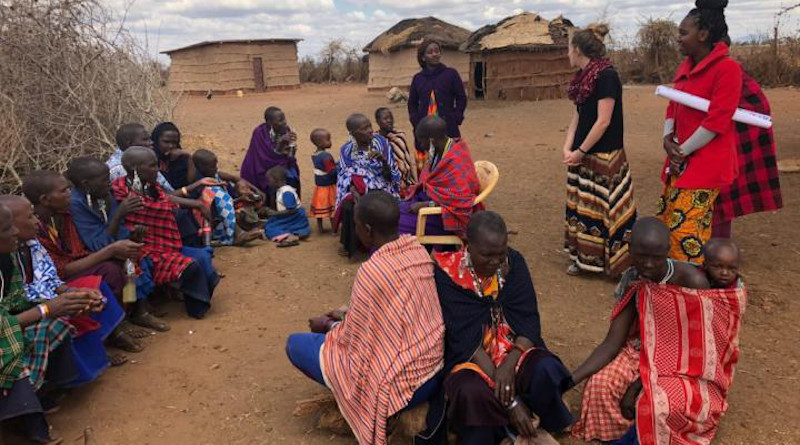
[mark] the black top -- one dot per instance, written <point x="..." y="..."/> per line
<point x="608" y="85"/>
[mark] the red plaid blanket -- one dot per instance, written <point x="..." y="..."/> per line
<point x="452" y="184"/>
<point x="162" y="243"/>
<point x="757" y="189"/>
<point x="690" y="347"/>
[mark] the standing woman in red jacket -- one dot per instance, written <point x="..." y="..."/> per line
<point x="700" y="146"/>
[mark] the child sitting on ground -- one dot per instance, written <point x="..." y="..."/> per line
<point x="323" y="202"/>
<point x="225" y="229"/>
<point x="251" y="211"/>
<point x="722" y="263"/>
<point x="289" y="223"/>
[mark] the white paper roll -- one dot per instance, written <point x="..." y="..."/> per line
<point x="698" y="103"/>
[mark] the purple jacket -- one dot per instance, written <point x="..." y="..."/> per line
<point x="450" y="96"/>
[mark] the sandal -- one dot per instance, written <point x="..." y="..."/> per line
<point x="148" y="320"/>
<point x="135" y="331"/>
<point x="118" y="360"/>
<point x="291" y="243"/>
<point x="574" y="270"/>
<point x="120" y="340"/>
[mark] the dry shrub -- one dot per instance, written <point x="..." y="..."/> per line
<point x="337" y="62"/>
<point x="653" y="57"/>
<point x="68" y="78"/>
<point x="760" y="60"/>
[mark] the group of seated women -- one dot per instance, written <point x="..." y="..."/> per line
<point x="461" y="331"/>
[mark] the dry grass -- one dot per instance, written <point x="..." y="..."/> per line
<point x="68" y="79"/>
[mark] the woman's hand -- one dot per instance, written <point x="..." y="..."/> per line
<point x="522" y="420"/>
<point x="505" y="380"/>
<point x="414" y="208"/>
<point x="72" y="302"/>
<point x="131" y="204"/>
<point x="124" y="249"/>
<point x="375" y="154"/>
<point x="206" y="182"/>
<point x="574" y="158"/>
<point x="671" y="147"/>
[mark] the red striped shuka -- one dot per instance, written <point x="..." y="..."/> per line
<point x="391" y="341"/>
<point x="162" y="242"/>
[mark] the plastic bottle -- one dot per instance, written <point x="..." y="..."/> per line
<point x="206" y="234"/>
<point x="129" y="291"/>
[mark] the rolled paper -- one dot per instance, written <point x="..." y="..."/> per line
<point x="698" y="103"/>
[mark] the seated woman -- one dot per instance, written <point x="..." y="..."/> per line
<point x="288" y="224"/>
<point x="199" y="192"/>
<point x="50" y="194"/>
<point x="400" y="149"/>
<point x="448" y="181"/>
<point x="99" y="223"/>
<point x="42" y="283"/>
<point x="615" y="392"/>
<point x="273" y="144"/>
<point x="36" y="342"/>
<point x="500" y="375"/>
<point x="185" y="268"/>
<point x="365" y="164"/>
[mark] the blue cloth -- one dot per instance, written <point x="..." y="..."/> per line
<point x="324" y="169"/>
<point x="45" y="278"/>
<point x="630" y="438"/>
<point x="203" y="257"/>
<point x="303" y="352"/>
<point x="355" y="162"/>
<point x="89" y="351"/>
<point x="291" y="223"/>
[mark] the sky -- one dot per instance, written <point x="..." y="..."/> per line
<point x="169" y="24"/>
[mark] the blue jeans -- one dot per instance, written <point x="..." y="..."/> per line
<point x="303" y="351"/>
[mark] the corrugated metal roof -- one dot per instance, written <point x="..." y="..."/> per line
<point x="222" y="42"/>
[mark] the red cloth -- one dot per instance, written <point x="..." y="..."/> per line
<point x="757" y="188"/>
<point x="690" y="347"/>
<point x="452" y="184"/>
<point x="85" y="324"/>
<point x="67" y="247"/>
<point x="361" y="187"/>
<point x="582" y="85"/>
<point x="717" y="78"/>
<point x="162" y="242"/>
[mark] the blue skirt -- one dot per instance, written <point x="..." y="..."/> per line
<point x="89" y="351"/>
<point x="294" y="224"/>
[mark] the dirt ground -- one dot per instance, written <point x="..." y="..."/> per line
<point x="226" y="379"/>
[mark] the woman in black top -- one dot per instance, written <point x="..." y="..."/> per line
<point x="600" y="206"/>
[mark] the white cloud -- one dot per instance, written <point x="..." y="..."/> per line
<point x="175" y="23"/>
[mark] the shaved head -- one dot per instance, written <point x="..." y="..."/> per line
<point x="716" y="245"/>
<point x="432" y="127"/>
<point x="136" y="156"/>
<point x="380" y="211"/>
<point x="355" y="121"/>
<point x="39" y="183"/>
<point x="650" y="235"/>
<point x="14" y="203"/>
<point x="486" y="226"/>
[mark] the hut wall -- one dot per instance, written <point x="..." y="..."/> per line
<point x="396" y="69"/>
<point x="229" y="66"/>
<point x="523" y="75"/>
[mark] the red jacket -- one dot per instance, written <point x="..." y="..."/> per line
<point x="717" y="78"/>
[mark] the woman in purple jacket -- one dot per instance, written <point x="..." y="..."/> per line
<point x="437" y="89"/>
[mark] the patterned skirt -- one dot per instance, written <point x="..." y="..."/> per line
<point x="601" y="212"/>
<point x="689" y="214"/>
<point x="323" y="202"/>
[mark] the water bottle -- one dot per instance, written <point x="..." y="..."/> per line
<point x="129" y="291"/>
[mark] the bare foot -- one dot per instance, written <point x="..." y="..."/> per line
<point x="247" y="237"/>
<point x="121" y="340"/>
<point x="147" y="320"/>
<point x="118" y="360"/>
<point x="134" y="331"/>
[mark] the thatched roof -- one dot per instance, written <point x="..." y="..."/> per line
<point x="223" y="42"/>
<point x="523" y="32"/>
<point x="410" y="33"/>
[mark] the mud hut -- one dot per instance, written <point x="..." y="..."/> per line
<point x="522" y="57"/>
<point x="229" y="65"/>
<point x="393" y="54"/>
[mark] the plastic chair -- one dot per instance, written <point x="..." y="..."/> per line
<point x="488" y="175"/>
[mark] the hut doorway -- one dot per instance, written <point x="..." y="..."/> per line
<point x="479" y="76"/>
<point x="258" y="74"/>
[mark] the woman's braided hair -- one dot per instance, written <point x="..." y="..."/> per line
<point x="710" y="16"/>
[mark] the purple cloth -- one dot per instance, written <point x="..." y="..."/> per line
<point x="261" y="156"/>
<point x="450" y="96"/>
<point x="408" y="221"/>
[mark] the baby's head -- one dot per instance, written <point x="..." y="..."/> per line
<point x="321" y="138"/>
<point x="276" y="177"/>
<point x="206" y="162"/>
<point x="721" y="262"/>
